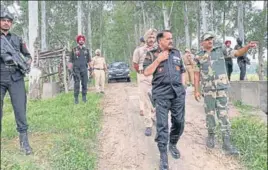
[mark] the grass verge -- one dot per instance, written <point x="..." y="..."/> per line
<point x="249" y="134"/>
<point x="62" y="135"/>
<point x="133" y="76"/>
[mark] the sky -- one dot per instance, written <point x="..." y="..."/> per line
<point x="258" y="4"/>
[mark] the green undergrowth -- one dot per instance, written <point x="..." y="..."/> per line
<point x="62" y="135"/>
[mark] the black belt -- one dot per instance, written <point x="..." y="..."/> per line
<point x="98" y="69"/>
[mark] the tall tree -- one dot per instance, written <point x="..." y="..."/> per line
<point x="79" y="17"/>
<point x="204" y="16"/>
<point x="166" y="15"/>
<point x="186" y="26"/>
<point x="33" y="24"/>
<point x="43" y="26"/>
<point x="240" y="21"/>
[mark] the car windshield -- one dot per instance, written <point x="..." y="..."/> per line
<point x="119" y="65"/>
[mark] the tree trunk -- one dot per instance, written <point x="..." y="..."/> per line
<point x="223" y="25"/>
<point x="33" y="24"/>
<point x="143" y="16"/>
<point x="43" y="26"/>
<point x="89" y="30"/>
<point x="186" y="26"/>
<point x="240" y="21"/>
<point x="101" y="23"/>
<point x="198" y="25"/>
<point x="261" y="62"/>
<point x="136" y="35"/>
<point x="79" y="17"/>
<point x="165" y="15"/>
<point x="204" y="16"/>
<point x="212" y="15"/>
<point x="35" y="74"/>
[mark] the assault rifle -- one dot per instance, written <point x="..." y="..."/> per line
<point x="13" y="58"/>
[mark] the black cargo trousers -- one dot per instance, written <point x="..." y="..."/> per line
<point x="12" y="80"/>
<point x="177" y="107"/>
<point x="80" y="75"/>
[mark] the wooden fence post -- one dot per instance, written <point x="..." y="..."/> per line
<point x="64" y="70"/>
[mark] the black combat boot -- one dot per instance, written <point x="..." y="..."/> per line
<point x="163" y="161"/>
<point x="174" y="151"/>
<point x="227" y="146"/>
<point x="210" y="140"/>
<point x="24" y="143"/>
<point x="84" y="98"/>
<point x="76" y="100"/>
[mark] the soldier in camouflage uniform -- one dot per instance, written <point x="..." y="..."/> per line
<point x="211" y="68"/>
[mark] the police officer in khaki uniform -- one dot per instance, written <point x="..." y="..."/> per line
<point x="189" y="65"/>
<point x="145" y="83"/>
<point x="99" y="67"/>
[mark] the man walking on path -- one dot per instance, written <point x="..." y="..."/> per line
<point x="145" y="83"/>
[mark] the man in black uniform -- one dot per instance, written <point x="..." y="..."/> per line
<point x="242" y="61"/>
<point x="166" y="65"/>
<point x="12" y="80"/>
<point x="228" y="60"/>
<point x="79" y="63"/>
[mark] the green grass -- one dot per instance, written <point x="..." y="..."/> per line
<point x="62" y="135"/>
<point x="133" y="76"/>
<point x="249" y="134"/>
<point x="250" y="77"/>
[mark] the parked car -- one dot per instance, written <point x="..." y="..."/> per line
<point x="118" y="71"/>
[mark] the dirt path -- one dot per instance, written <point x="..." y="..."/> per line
<point x="123" y="146"/>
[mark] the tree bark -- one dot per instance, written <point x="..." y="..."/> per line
<point x="79" y="17"/>
<point x="89" y="30"/>
<point x="223" y="24"/>
<point x="212" y="16"/>
<point x="165" y="15"/>
<point x="261" y="62"/>
<point x="204" y="16"/>
<point x="198" y="25"/>
<point x="186" y="26"/>
<point x="33" y="24"/>
<point x="240" y="21"/>
<point x="43" y="26"/>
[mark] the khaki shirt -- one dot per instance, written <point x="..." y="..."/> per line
<point x="188" y="60"/>
<point x="98" y="62"/>
<point x="139" y="55"/>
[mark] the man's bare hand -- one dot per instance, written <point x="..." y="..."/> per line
<point x="163" y="56"/>
<point x="197" y="96"/>
<point x="252" y="44"/>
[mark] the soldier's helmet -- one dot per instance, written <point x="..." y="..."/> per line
<point x="6" y="14"/>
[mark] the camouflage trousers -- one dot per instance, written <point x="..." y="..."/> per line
<point x="215" y="103"/>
